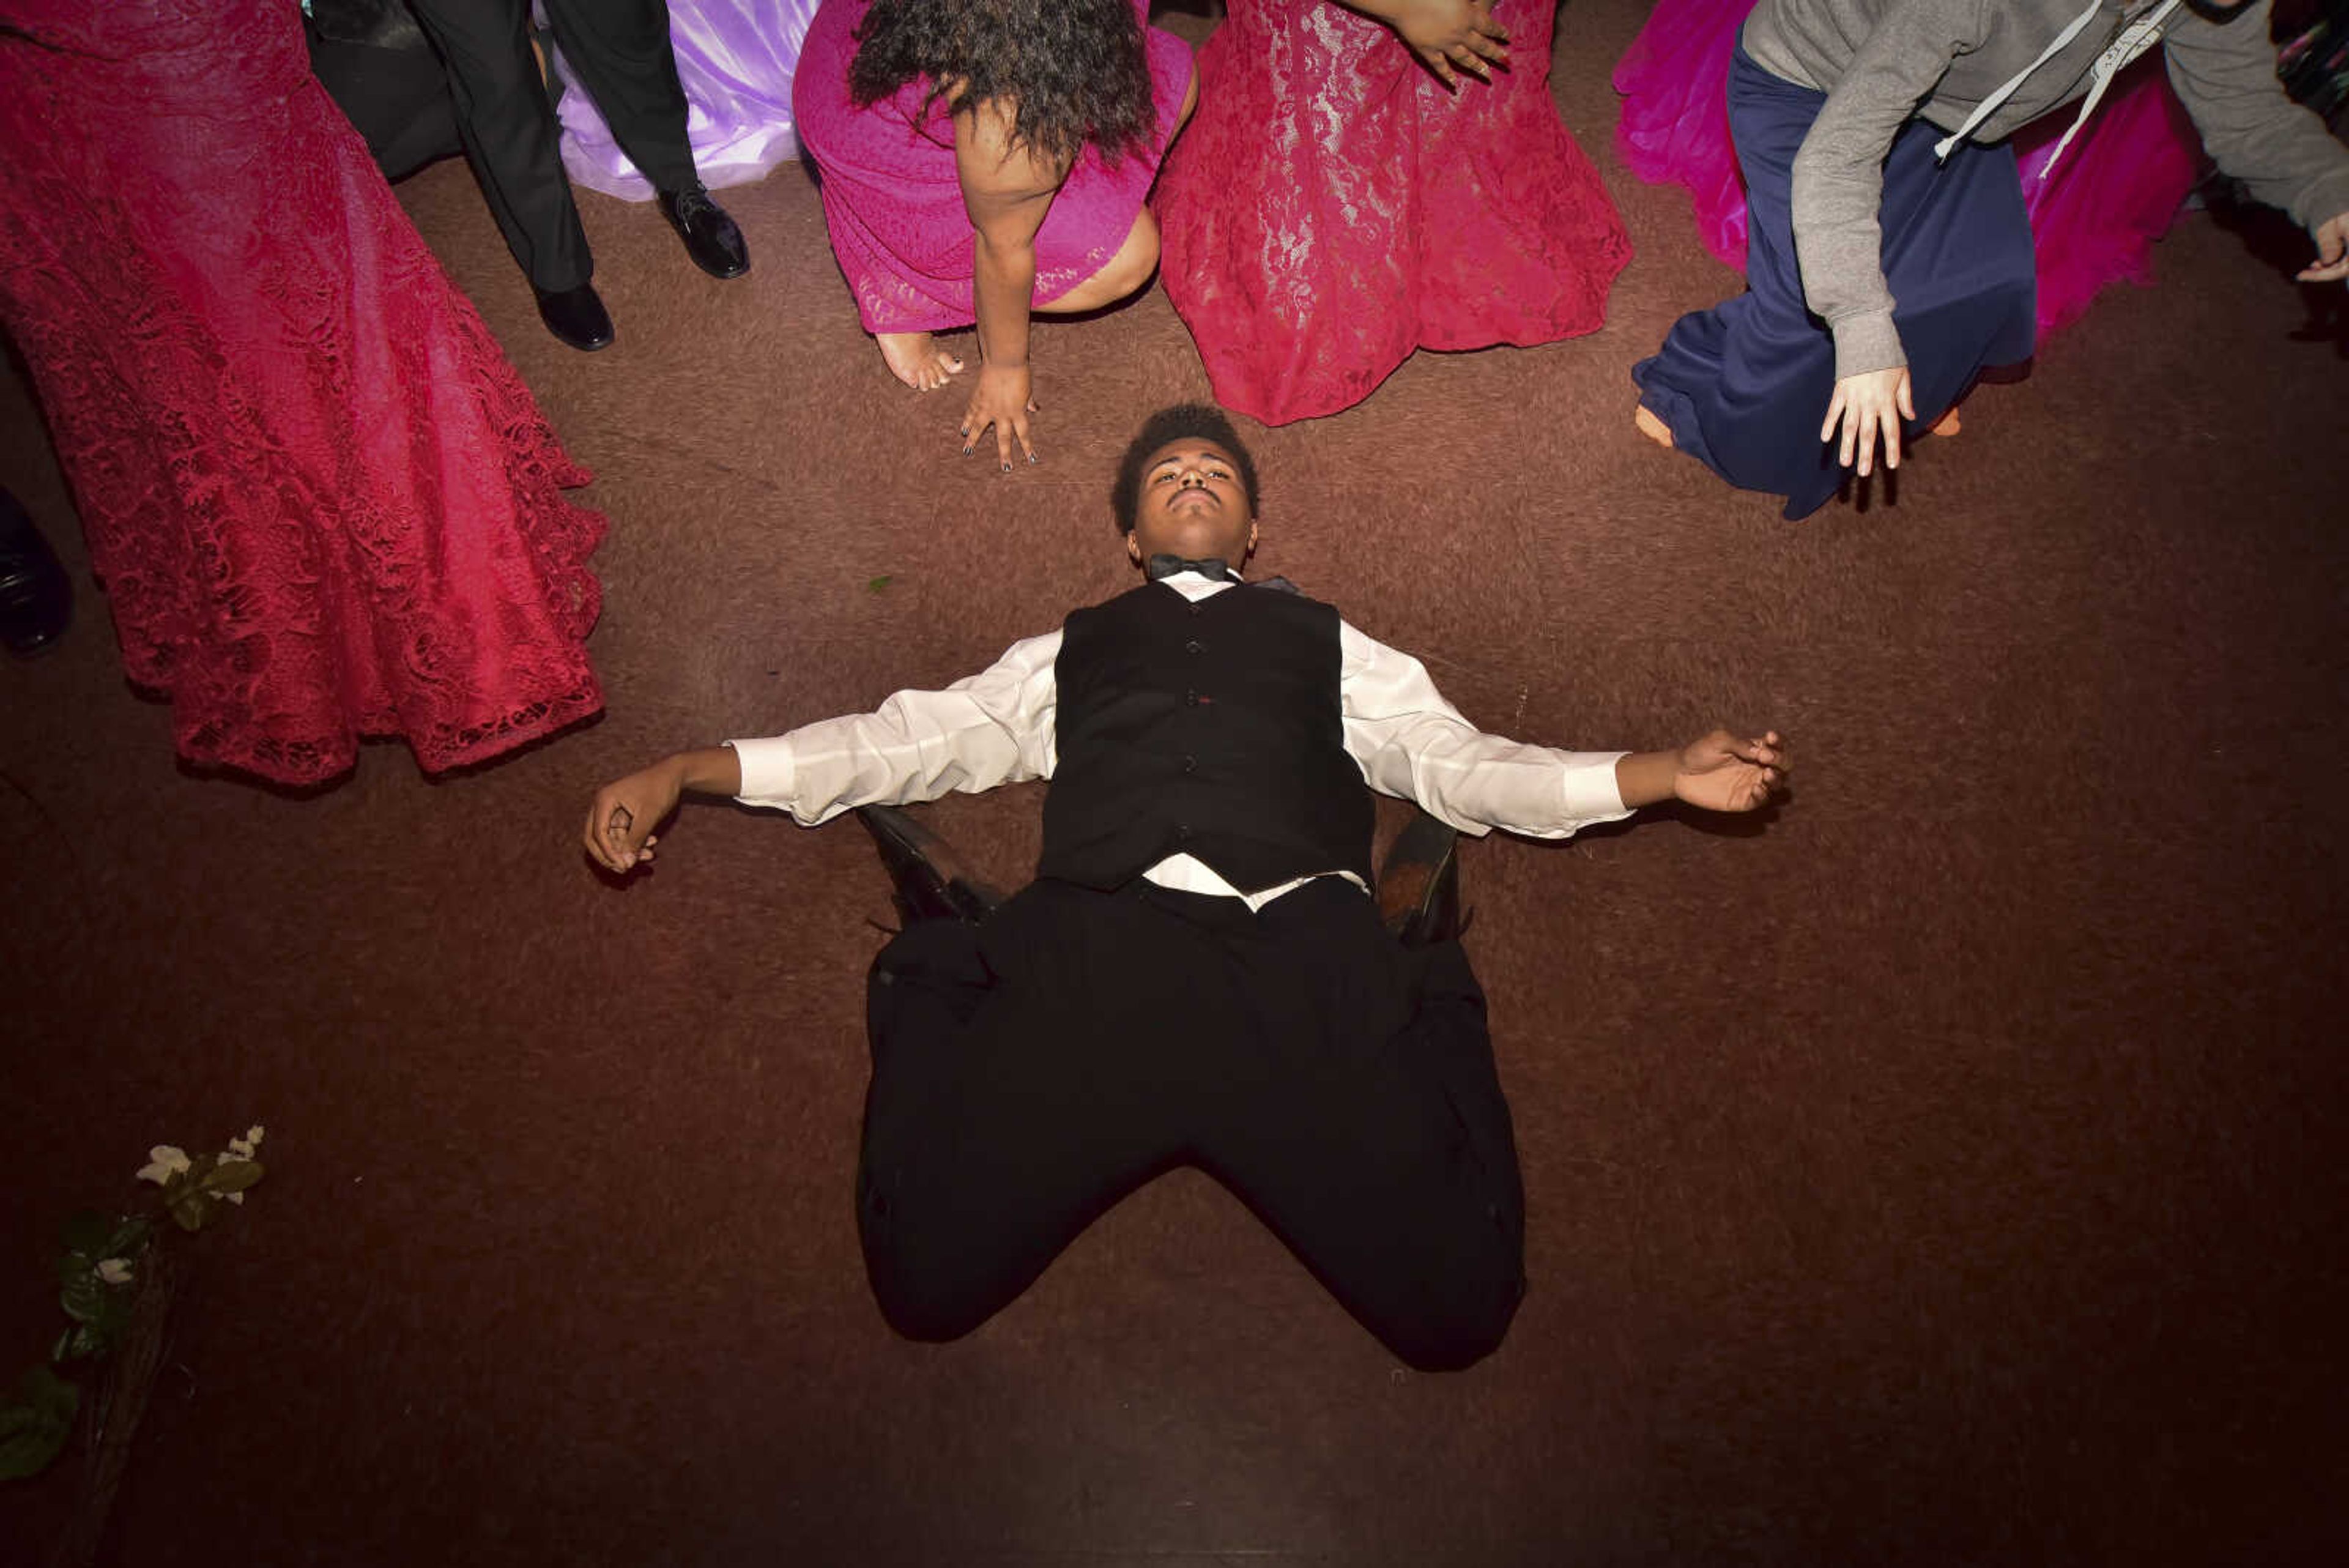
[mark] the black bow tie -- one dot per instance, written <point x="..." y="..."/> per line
<point x="1211" y="567"/>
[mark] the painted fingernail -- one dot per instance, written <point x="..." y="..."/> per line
<point x="965" y="451"/>
<point x="1032" y="457"/>
<point x="1006" y="468"/>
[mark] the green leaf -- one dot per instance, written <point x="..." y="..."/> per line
<point x="88" y="1231"/>
<point x="83" y="1297"/>
<point x="232" y="1176"/>
<point x="192" y="1208"/>
<point x="877" y="584"/>
<point x="130" y="1236"/>
<point x="34" y="1430"/>
<point x="83" y="1339"/>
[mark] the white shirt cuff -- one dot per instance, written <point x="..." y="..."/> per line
<point x="1588" y="792"/>
<point x="769" y="774"/>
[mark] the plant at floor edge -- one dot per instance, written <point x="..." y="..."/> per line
<point x="114" y="1282"/>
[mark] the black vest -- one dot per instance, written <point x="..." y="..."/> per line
<point x="1211" y="728"/>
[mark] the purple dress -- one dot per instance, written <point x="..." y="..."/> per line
<point x="735" y="60"/>
<point x="893" y="206"/>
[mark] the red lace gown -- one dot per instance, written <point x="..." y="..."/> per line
<point x="1331" y="208"/>
<point x="322" y="503"/>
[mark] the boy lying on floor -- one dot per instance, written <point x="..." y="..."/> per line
<point x="1199" y="974"/>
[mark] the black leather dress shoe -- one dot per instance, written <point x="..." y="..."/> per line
<point x="577" y="316"/>
<point x="35" y="595"/>
<point x="711" y="237"/>
<point x="1419" y="885"/>
<point x="930" y="881"/>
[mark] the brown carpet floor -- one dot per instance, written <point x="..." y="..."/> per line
<point x="1948" y="1169"/>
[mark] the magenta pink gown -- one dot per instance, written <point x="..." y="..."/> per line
<point x="894" y="206"/>
<point x="2094" y="223"/>
<point x="1332" y="208"/>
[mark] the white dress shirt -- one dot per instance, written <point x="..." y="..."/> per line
<point x="997" y="727"/>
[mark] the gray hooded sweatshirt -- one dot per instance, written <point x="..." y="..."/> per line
<point x="1881" y="62"/>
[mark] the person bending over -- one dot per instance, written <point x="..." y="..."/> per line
<point x="1199" y="973"/>
<point x="1889" y="255"/>
<point x="982" y="159"/>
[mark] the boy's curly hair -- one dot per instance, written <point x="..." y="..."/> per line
<point x="1184" y="421"/>
<point x="1076" y="71"/>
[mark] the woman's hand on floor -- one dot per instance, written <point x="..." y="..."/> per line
<point x="1866" y="405"/>
<point x="1001" y="400"/>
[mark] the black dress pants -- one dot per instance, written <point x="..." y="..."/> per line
<point x="396" y="97"/>
<point x="1030" y="1072"/>
<point x="620" y="50"/>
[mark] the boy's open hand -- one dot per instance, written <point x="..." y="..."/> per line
<point x="1723" y="773"/>
<point x="621" y="821"/>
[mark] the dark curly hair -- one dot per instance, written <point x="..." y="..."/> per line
<point x="1184" y="421"/>
<point x="1076" y="71"/>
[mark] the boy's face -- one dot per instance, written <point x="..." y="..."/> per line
<point x="1193" y="505"/>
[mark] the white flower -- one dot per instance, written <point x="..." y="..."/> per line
<point x="114" y="1271"/>
<point x="164" y="1162"/>
<point x="238" y="1149"/>
<point x="253" y="1135"/>
<point x="235" y="1198"/>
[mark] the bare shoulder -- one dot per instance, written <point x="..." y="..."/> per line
<point x="991" y="164"/>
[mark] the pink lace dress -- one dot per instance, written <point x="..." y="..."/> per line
<point x="1333" y="208"/>
<point x="892" y="203"/>
<point x="322" y="503"/>
<point x="2094" y="223"/>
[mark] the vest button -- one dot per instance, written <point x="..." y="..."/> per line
<point x="1194" y="645"/>
<point x="1191" y="699"/>
<point x="1194" y="609"/>
<point x="1184" y="833"/>
<point x="1190" y="765"/>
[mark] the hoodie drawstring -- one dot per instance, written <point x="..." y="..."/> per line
<point x="2133" y="40"/>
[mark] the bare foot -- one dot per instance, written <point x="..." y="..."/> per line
<point x="916" y="359"/>
<point x="1654" y="428"/>
<point x="1948" y="424"/>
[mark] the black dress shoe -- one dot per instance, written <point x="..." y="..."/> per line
<point x="577" y="316"/>
<point x="35" y="595"/>
<point x="930" y="881"/>
<point x="1419" y="885"/>
<point x="711" y="237"/>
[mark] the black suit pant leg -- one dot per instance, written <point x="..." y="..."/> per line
<point x="396" y="99"/>
<point x="1019" y="1089"/>
<point x="1029" y="1074"/>
<point x="621" y="53"/>
<point x="512" y="137"/>
<point x="1365" y="1124"/>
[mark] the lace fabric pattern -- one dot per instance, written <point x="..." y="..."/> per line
<point x="321" y="502"/>
<point x="1332" y="208"/>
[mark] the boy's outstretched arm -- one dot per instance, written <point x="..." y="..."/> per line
<point x="621" y="819"/>
<point x="1720" y="772"/>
